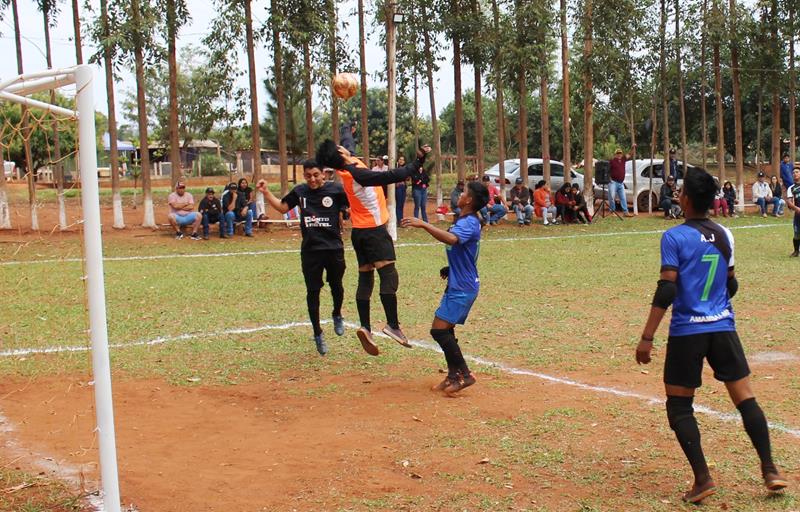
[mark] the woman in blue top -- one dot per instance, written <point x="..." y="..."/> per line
<point x="463" y="241"/>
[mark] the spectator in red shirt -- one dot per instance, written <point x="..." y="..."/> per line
<point x="496" y="208"/>
<point x="616" y="188"/>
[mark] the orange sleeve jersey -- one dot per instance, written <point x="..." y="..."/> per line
<point x="367" y="204"/>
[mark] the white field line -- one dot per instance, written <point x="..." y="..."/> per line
<point x="349" y="248"/>
<point x="728" y="417"/>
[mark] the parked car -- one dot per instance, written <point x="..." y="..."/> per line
<point x="535" y="173"/>
<point x="643" y="187"/>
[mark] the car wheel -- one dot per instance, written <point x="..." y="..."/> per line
<point x="642" y="201"/>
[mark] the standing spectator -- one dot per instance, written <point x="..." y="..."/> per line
<point x="720" y="203"/>
<point x="400" y="192"/>
<point x="347" y="133"/>
<point x="793" y="196"/>
<point x="419" y="189"/>
<point x="495" y="209"/>
<point x="520" y="197"/>
<point x="777" y="193"/>
<point x="762" y="194"/>
<point x="786" y="172"/>
<point x="211" y="210"/>
<point x="668" y="199"/>
<point x="730" y="196"/>
<point x="564" y="204"/>
<point x="382" y="164"/>
<point x="543" y="203"/>
<point x="236" y="209"/>
<point x="581" y="211"/>
<point x="673" y="164"/>
<point x="616" y="188"/>
<point x="181" y="211"/>
<point x="454" y="195"/>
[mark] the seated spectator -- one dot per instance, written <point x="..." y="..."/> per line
<point x="236" y="209"/>
<point x="496" y="208"/>
<point x="454" y="195"/>
<point x="211" y="210"/>
<point x="720" y="203"/>
<point x="762" y="195"/>
<point x="520" y="197"/>
<point x="668" y="199"/>
<point x="543" y="203"/>
<point x="181" y="211"/>
<point x="564" y="204"/>
<point x="777" y="192"/>
<point x="730" y="196"/>
<point x="580" y="209"/>
<point x="249" y="197"/>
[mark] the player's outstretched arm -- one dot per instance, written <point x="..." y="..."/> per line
<point x="273" y="201"/>
<point x="441" y="235"/>
<point x="370" y="178"/>
<point x="662" y="299"/>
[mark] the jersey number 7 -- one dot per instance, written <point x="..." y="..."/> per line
<point x="712" y="271"/>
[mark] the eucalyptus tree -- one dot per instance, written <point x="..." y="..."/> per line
<point x="276" y="23"/>
<point x="565" y="87"/>
<point x="476" y="47"/>
<point x="177" y="15"/>
<point x="76" y="32"/>
<point x="717" y="34"/>
<point x="775" y="64"/>
<point x="734" y="36"/>
<point x="789" y="34"/>
<point x="585" y="31"/>
<point x="681" y="99"/>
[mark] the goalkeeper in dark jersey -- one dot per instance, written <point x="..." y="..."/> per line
<point x="698" y="281"/>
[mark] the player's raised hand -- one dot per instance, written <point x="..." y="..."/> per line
<point x="412" y="222"/>
<point x="643" y="351"/>
<point x="423" y="151"/>
<point x="261" y="186"/>
<point x="343" y="151"/>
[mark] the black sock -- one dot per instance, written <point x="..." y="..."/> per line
<point x="796" y="243"/>
<point x="452" y="353"/>
<point x="337" y="293"/>
<point x="755" y="424"/>
<point x="312" y="299"/>
<point x="363" y="313"/>
<point x="681" y="419"/>
<point x="390" y="308"/>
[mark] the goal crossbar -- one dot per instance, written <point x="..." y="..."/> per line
<point x="16" y="90"/>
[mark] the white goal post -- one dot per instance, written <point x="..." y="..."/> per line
<point x="17" y="90"/>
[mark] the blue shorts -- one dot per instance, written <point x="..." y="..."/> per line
<point x="455" y="305"/>
<point x="185" y="219"/>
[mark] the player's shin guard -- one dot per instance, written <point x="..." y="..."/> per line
<point x="312" y="299"/>
<point x="366" y="281"/>
<point x="755" y="424"/>
<point x="452" y="353"/>
<point x="680" y="414"/>
<point x="389" y="284"/>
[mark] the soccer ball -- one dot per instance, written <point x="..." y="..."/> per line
<point x="345" y="85"/>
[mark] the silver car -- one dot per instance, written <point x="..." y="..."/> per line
<point x="644" y="191"/>
<point x="535" y="173"/>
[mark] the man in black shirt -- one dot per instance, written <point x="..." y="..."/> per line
<point x="211" y="210"/>
<point x="321" y="203"/>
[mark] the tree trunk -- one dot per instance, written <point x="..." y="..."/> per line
<point x="141" y="104"/>
<point x="172" y="61"/>
<point x="720" y="113"/>
<point x="416" y="111"/>
<point x="777" y="78"/>
<point x="459" y="107"/>
<point x="309" y="96"/>
<point x="363" y="60"/>
<point x="522" y="121"/>
<point x="703" y="85"/>
<point x="681" y="101"/>
<point x="499" y="103"/>
<point x="653" y="143"/>
<point x="565" y="99"/>
<point x="251" y="66"/>
<point x="759" y="123"/>
<point x="58" y="168"/>
<point x="24" y="126"/>
<point x="792" y="93"/>
<point x="737" y="105"/>
<point x="663" y="64"/>
<point x="588" y="109"/>
<point x="76" y="30"/>
<point x="116" y="196"/>
<point x="437" y="139"/>
<point x="546" y="127"/>
<point x="332" y="57"/>
<point x="391" y="111"/>
<point x="279" y="90"/>
<point x="479" y="152"/>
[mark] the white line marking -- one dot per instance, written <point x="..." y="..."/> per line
<point x="349" y="248"/>
<point x="728" y="417"/>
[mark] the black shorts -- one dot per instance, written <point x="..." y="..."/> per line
<point x="683" y="364"/>
<point x="315" y="262"/>
<point x="372" y="244"/>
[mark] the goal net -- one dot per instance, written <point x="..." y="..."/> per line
<point x="30" y="130"/>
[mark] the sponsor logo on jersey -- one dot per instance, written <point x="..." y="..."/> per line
<point x="312" y="221"/>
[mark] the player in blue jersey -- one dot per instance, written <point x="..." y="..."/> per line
<point x="698" y="280"/>
<point x="463" y="241"/>
<point x="793" y="201"/>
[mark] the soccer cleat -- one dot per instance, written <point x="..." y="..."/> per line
<point x="322" y="348"/>
<point x="195" y="236"/>
<point x="795" y="254"/>
<point x="447" y="382"/>
<point x="365" y="337"/>
<point x="775" y="481"/>
<point x="178" y="235"/>
<point x="338" y="325"/>
<point x="698" y="493"/>
<point x="397" y="335"/>
<point x="456" y="386"/>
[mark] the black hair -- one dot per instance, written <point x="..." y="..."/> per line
<point x="575" y="185"/>
<point x="479" y="194"/>
<point x="540" y="184"/>
<point x="310" y="164"/>
<point x="485" y="177"/>
<point x="564" y="188"/>
<point x="727" y="183"/>
<point x="700" y="188"/>
<point x="328" y="155"/>
<point x="239" y="183"/>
